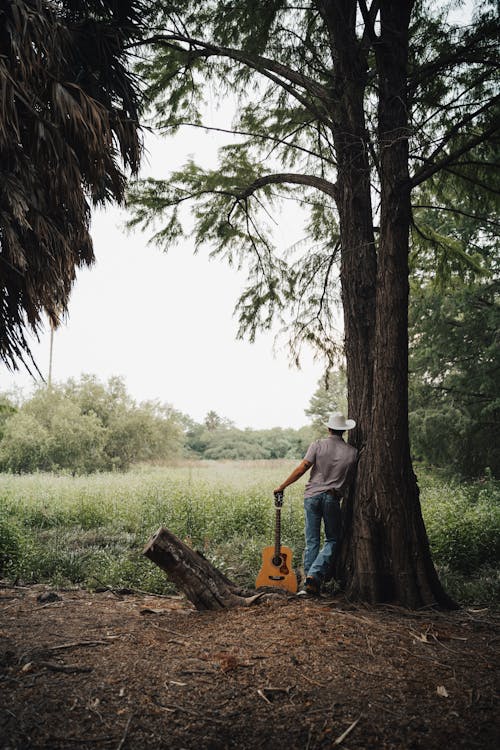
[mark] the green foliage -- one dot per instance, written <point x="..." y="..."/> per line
<point x="90" y="530"/>
<point x="278" y="63"/>
<point x="463" y="524"/>
<point x="87" y="426"/>
<point x="69" y="125"/>
<point x="24" y="444"/>
<point x="7" y="409"/>
<point x="84" y="426"/>
<point x="330" y="396"/>
<point x="10" y="546"/>
<point x="224" y="442"/>
<point x="454" y="360"/>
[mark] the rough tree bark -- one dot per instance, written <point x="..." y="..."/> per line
<point x="204" y="585"/>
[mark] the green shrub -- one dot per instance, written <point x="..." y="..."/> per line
<point x="463" y="525"/>
<point x="24" y="444"/>
<point x="483" y="585"/>
<point x="11" y="546"/>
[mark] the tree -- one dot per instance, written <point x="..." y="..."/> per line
<point x="454" y="362"/>
<point x="350" y="109"/>
<point x="85" y="426"/>
<point x="23" y="448"/>
<point x="69" y="116"/>
<point x="330" y="396"/>
<point x="454" y="320"/>
<point x="213" y="421"/>
<point x="7" y="409"/>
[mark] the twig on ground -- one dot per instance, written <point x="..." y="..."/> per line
<point x="426" y="658"/>
<point x="313" y="682"/>
<point x="175" y="707"/>
<point x="107" y="588"/>
<point x="358" y="669"/>
<point x="384" y="708"/>
<point x="159" y="596"/>
<point x="125" y="733"/>
<point x="264" y="697"/>
<point x="173" y="632"/>
<point x="370" y="650"/>
<point x="83" y="740"/>
<point x="68" y="668"/>
<point x="309" y="737"/>
<point x="347" y="732"/>
<point x="74" y="644"/>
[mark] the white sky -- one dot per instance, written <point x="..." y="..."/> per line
<point x="165" y="322"/>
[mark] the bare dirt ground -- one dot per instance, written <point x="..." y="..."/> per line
<point x="108" y="670"/>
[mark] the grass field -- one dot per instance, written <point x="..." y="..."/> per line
<point x="90" y="531"/>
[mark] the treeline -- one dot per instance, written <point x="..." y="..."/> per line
<point x="454" y="406"/>
<point x="218" y="439"/>
<point x="83" y="426"/>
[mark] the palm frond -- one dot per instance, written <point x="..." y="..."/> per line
<point x="69" y="124"/>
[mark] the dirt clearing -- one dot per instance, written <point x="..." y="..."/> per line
<point x="127" y="671"/>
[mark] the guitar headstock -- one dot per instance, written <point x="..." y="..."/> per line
<point x="278" y="499"/>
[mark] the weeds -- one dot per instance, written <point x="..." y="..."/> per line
<point x="90" y="531"/>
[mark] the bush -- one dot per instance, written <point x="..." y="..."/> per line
<point x="11" y="546"/>
<point x="83" y="427"/>
<point x="24" y="445"/>
<point x="463" y="525"/>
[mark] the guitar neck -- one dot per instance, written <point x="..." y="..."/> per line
<point x="277" y="533"/>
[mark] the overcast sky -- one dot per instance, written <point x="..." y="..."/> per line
<point x="165" y="322"/>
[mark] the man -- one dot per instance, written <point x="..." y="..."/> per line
<point x="333" y="465"/>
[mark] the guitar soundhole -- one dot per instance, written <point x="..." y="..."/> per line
<point x="280" y="562"/>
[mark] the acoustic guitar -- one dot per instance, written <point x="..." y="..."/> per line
<point x="276" y="567"/>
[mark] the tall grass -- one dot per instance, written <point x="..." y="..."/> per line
<point x="90" y="531"/>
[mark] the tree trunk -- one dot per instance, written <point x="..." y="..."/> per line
<point x="358" y="256"/>
<point x="204" y="585"/>
<point x="385" y="552"/>
<point x="358" y="264"/>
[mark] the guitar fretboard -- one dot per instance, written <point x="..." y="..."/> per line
<point x="277" y="533"/>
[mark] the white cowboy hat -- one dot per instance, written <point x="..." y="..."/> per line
<point x="337" y="421"/>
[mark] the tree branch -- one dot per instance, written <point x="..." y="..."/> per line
<point x="458" y="211"/>
<point x="472" y="180"/>
<point x="369" y="17"/>
<point x="270" y="68"/>
<point x="262" y="136"/>
<point x="424" y="174"/>
<point x="469" y="53"/>
<point x="288" y="177"/>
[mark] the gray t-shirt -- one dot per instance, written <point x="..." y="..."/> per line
<point x="333" y="463"/>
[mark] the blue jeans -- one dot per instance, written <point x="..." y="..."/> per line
<point x="323" y="507"/>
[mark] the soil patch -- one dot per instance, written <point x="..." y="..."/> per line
<point x="126" y="671"/>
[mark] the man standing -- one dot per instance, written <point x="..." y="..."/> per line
<point x="333" y="465"/>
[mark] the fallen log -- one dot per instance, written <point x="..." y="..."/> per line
<point x="203" y="584"/>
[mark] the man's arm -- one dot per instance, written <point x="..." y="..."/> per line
<point x="299" y="471"/>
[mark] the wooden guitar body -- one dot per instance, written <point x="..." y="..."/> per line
<point x="277" y="570"/>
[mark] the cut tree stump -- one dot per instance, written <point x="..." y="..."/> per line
<point x="203" y="584"/>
